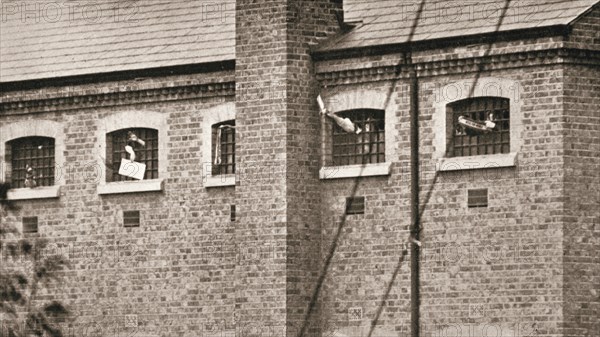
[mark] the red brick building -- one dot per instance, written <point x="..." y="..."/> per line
<point x="257" y="216"/>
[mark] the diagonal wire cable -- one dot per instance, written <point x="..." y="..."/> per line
<point x="315" y="297"/>
<point x="480" y="68"/>
<point x="413" y="28"/>
<point x="433" y="184"/>
<point x="334" y="245"/>
<point x="409" y="39"/>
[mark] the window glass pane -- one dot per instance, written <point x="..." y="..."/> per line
<point x="470" y="141"/>
<point x="146" y="154"/>
<point x="223" y="148"/>
<point x="32" y="162"/>
<point x="365" y="148"/>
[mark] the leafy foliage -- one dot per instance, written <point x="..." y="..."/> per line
<point x="23" y="270"/>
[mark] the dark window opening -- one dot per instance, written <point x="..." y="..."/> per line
<point x="477" y="198"/>
<point x="131" y="218"/>
<point x="368" y="147"/>
<point x="146" y="154"/>
<point x="30" y="224"/>
<point x="232" y="215"/>
<point x="32" y="161"/>
<point x="223" y="149"/>
<point x="355" y="205"/>
<point x="471" y="142"/>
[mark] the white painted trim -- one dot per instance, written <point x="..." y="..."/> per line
<point x="35" y="128"/>
<point x="486" y="86"/>
<point x="138" y="186"/>
<point x="220" y="181"/>
<point x="352" y="171"/>
<point x="132" y="119"/>
<point x="476" y="162"/>
<point x="44" y="192"/>
<point x="217" y="114"/>
<point x="358" y="98"/>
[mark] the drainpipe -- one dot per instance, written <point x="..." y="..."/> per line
<point x="414" y="199"/>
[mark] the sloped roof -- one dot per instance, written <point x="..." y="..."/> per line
<point x="47" y="39"/>
<point x="387" y="22"/>
<point x="42" y="40"/>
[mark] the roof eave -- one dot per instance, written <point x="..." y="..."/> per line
<point x="327" y="54"/>
<point x="195" y="68"/>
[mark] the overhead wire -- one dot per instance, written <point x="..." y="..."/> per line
<point x="423" y="206"/>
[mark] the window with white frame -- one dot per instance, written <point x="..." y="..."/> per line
<point x="366" y="147"/>
<point x="32" y="161"/>
<point x="132" y="135"/>
<point x="223" y="149"/>
<point x="479" y="126"/>
<point x="147" y="153"/>
<point x="219" y="164"/>
<point x="358" y="134"/>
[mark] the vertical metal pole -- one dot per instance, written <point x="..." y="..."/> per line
<point x="414" y="201"/>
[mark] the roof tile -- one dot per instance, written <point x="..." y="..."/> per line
<point x="390" y="21"/>
<point x="77" y="38"/>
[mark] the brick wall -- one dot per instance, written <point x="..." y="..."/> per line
<point x="502" y="261"/>
<point x="278" y="126"/>
<point x="525" y="265"/>
<point x="584" y="31"/>
<point x="261" y="133"/>
<point x="497" y="270"/>
<point x="582" y="178"/>
<point x="582" y="197"/>
<point x="309" y="22"/>
<point x="504" y="274"/>
<point x="174" y="273"/>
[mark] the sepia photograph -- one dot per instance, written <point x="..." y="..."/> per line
<point x="299" y="168"/>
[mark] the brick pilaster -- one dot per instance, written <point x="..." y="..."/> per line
<point x="278" y="130"/>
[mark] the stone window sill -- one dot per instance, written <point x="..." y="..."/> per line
<point x="220" y="181"/>
<point x="154" y="185"/>
<point x="44" y="192"/>
<point x="352" y="171"/>
<point x="477" y="162"/>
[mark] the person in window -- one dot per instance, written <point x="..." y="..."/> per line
<point x="345" y="123"/>
<point x="30" y="177"/>
<point x="132" y="141"/>
<point x="472" y="127"/>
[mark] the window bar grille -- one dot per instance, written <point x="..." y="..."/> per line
<point x="365" y="148"/>
<point x="38" y="152"/>
<point x="493" y="142"/>
<point x="147" y="154"/>
<point x="226" y="152"/>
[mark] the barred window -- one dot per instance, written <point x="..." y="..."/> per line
<point x="368" y="147"/>
<point x="466" y="142"/>
<point x="223" y="149"/>
<point x="146" y="154"/>
<point x="32" y="161"/>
